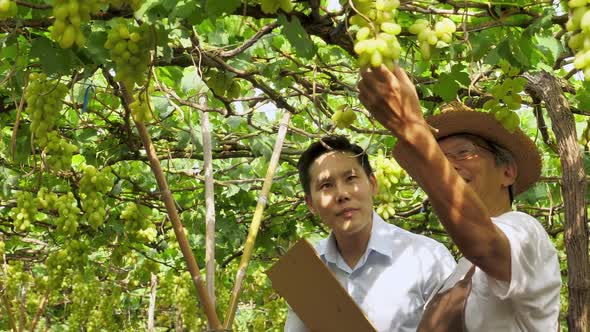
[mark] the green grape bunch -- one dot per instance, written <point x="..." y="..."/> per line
<point x="506" y="97"/>
<point x="8" y="9"/>
<point x="344" y="117"/>
<point x="376" y="42"/>
<point x="272" y="6"/>
<point x="23" y="215"/>
<point x="222" y="84"/>
<point x="68" y="214"/>
<point x="44" y="103"/>
<point x="129" y="46"/>
<point x="389" y="175"/>
<point x="579" y="25"/>
<point x="59" y="152"/>
<point x="429" y="36"/>
<point x="141" y="108"/>
<point x="66" y="207"/>
<point x="69" y="16"/>
<point x="93" y="185"/>
<point x="138" y="223"/>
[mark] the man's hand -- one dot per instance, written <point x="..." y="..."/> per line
<point x="392" y="99"/>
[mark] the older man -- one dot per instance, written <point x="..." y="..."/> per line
<point x="470" y="168"/>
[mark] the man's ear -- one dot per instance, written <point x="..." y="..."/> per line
<point x="310" y="205"/>
<point x="510" y="173"/>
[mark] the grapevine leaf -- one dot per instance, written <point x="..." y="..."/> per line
<point x="297" y="36"/>
<point x="550" y="47"/>
<point x="53" y="59"/>
<point x="191" y="81"/>
<point x="449" y="84"/>
<point x="583" y="97"/>
<point x="216" y="7"/>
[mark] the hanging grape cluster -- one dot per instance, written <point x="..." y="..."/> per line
<point x="68" y="214"/>
<point x="579" y="25"/>
<point x="138" y="223"/>
<point x="8" y="9"/>
<point x="344" y="117"/>
<point x="44" y="102"/>
<point x="129" y="46"/>
<point x="69" y="16"/>
<point x="428" y="36"/>
<point x="141" y="108"/>
<point x="376" y="42"/>
<point x="506" y="97"/>
<point x="93" y="185"/>
<point x="222" y="84"/>
<point x="25" y="211"/>
<point x="59" y="152"/>
<point x="389" y="174"/>
<point x="66" y="207"/>
<point x="272" y="6"/>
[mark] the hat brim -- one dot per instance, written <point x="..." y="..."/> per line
<point x="523" y="149"/>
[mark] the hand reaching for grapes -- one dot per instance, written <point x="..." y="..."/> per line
<point x="392" y="99"/>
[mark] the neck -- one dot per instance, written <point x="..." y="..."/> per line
<point x="353" y="246"/>
<point x="499" y="206"/>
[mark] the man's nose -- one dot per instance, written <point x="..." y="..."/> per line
<point x="343" y="193"/>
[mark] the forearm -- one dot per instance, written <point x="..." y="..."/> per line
<point x="458" y="207"/>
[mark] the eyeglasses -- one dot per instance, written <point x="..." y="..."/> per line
<point x="464" y="151"/>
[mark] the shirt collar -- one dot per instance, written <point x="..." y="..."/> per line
<point x="380" y="241"/>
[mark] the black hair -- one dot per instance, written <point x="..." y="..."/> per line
<point x="325" y="145"/>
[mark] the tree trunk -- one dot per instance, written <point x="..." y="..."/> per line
<point x="546" y="88"/>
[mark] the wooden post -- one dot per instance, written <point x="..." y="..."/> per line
<point x="256" y="220"/>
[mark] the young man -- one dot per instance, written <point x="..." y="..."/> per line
<point x="389" y="272"/>
<point x="470" y="168"/>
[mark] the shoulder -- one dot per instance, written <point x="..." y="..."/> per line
<point x="521" y="226"/>
<point x="418" y="244"/>
<point x="517" y="218"/>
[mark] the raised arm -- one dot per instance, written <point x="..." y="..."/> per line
<point x="391" y="98"/>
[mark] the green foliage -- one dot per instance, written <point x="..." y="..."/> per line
<point x="85" y="217"/>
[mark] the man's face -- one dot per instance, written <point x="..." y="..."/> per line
<point x="476" y="164"/>
<point x="341" y="193"/>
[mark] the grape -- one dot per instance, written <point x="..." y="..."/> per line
<point x="44" y="102"/>
<point x="272" y="6"/>
<point x="376" y="42"/>
<point x="222" y="84"/>
<point x="579" y="42"/>
<point x="141" y="108"/>
<point x="8" y="9"/>
<point x="129" y="46"/>
<point x="428" y="36"/>
<point x="344" y="117"/>
<point x="389" y="174"/>
<point x="25" y="211"/>
<point x="138" y="223"/>
<point x="506" y="97"/>
<point x="69" y="16"/>
<point x="58" y="152"/>
<point x="93" y="185"/>
<point x="68" y="214"/>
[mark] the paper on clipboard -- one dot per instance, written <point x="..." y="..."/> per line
<point x="314" y="293"/>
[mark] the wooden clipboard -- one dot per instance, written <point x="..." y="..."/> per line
<point x="314" y="293"/>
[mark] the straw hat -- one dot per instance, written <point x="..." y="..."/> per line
<point x="460" y="119"/>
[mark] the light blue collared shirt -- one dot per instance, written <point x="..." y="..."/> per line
<point x="392" y="280"/>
